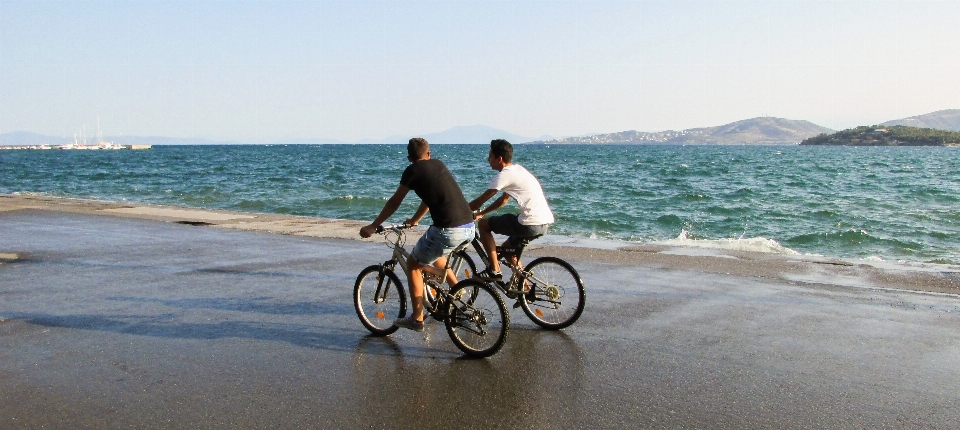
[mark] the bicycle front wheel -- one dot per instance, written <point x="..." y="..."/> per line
<point x="477" y="319"/>
<point x="463" y="268"/>
<point x="379" y="298"/>
<point x="557" y="296"/>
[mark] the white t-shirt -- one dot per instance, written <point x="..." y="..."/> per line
<point x="521" y="185"/>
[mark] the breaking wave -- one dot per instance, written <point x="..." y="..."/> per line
<point x="752" y="244"/>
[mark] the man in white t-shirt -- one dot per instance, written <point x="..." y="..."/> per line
<point x="515" y="181"/>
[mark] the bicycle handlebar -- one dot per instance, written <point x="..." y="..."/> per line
<point x="396" y="227"/>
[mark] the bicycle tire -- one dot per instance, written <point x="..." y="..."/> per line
<point x="558" y="293"/>
<point x="467" y="269"/>
<point x="477" y="319"/>
<point x="377" y="314"/>
<point x="463" y="267"/>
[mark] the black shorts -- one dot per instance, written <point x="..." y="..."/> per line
<point x="509" y="225"/>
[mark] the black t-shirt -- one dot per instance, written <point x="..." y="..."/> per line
<point x="435" y="185"/>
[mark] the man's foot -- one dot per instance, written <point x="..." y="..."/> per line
<point x="409" y="323"/>
<point x="488" y="275"/>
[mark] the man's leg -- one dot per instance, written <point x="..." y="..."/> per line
<point x="441" y="264"/>
<point x="489" y="243"/>
<point x="415" y="279"/>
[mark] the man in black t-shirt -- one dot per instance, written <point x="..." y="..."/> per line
<point x="452" y="220"/>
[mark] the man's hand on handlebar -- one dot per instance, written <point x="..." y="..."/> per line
<point x="368" y="231"/>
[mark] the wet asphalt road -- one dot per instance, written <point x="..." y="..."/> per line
<point x="121" y="323"/>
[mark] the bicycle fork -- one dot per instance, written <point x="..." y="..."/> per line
<point x="383" y="282"/>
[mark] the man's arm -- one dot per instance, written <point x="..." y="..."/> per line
<point x="388" y="209"/>
<point x="421" y="212"/>
<point x="497" y="204"/>
<point x="479" y="201"/>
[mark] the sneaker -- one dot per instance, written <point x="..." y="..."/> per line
<point x="409" y="323"/>
<point x="489" y="275"/>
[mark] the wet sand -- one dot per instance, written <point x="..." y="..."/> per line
<point x="131" y="316"/>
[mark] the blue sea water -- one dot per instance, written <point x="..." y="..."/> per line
<point x="889" y="203"/>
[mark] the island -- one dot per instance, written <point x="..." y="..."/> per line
<point x="887" y="135"/>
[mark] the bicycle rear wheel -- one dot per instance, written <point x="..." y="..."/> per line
<point x="477" y="319"/>
<point x="558" y="295"/>
<point x="379" y="298"/>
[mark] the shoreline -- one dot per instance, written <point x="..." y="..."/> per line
<point x="799" y="269"/>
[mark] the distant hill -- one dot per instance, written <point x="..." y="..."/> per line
<point x="471" y="134"/>
<point x="948" y="119"/>
<point x="475" y="134"/>
<point x="763" y="130"/>
<point x="479" y="134"/>
<point x="160" y="140"/>
<point x="28" y="138"/>
<point x="756" y="131"/>
<point x="894" y="135"/>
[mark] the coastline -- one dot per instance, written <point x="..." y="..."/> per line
<point x="800" y="269"/>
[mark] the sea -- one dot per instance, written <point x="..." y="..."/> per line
<point x="898" y="204"/>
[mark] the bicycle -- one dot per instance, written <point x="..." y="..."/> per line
<point x="475" y="316"/>
<point x="541" y="288"/>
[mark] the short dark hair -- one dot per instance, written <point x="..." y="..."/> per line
<point x="503" y="149"/>
<point x="417" y="148"/>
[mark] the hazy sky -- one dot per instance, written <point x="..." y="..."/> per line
<point x="260" y="71"/>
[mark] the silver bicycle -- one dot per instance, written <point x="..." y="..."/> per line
<point x="548" y="289"/>
<point x="475" y="316"/>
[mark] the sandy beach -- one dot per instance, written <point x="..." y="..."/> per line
<point x="935" y="278"/>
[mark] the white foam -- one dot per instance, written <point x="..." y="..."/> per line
<point x="751" y="244"/>
<point x="909" y="266"/>
<point x="681" y="245"/>
<point x="582" y="242"/>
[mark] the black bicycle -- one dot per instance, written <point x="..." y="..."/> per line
<point x="549" y="289"/>
<point x="474" y="314"/>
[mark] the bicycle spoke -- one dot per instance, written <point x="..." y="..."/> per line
<point x="479" y="320"/>
<point x="379" y="298"/>
<point x="558" y="293"/>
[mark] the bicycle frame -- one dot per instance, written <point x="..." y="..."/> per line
<point x="535" y="285"/>
<point x="513" y="286"/>
<point x="401" y="255"/>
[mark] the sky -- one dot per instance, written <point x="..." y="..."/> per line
<point x="265" y="71"/>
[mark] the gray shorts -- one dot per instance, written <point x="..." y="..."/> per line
<point x="509" y="225"/>
<point x="437" y="242"/>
